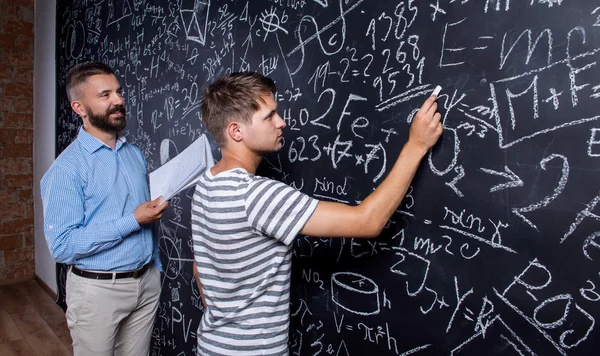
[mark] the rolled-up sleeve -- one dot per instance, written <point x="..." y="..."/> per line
<point x="64" y="215"/>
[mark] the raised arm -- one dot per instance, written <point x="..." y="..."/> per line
<point x="369" y="218"/>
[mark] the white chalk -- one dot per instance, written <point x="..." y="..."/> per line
<point x="437" y="90"/>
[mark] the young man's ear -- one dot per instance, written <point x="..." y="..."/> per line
<point x="234" y="130"/>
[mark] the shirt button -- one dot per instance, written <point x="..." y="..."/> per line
<point x="131" y="193"/>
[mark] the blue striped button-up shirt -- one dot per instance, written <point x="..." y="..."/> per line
<point x="89" y="195"/>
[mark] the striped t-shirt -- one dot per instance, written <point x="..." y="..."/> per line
<point x="243" y="227"/>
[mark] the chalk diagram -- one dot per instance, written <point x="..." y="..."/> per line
<point x="355" y="293"/>
<point x="171" y="251"/>
<point x="125" y="11"/>
<point x="75" y="41"/>
<point x="271" y="22"/>
<point x="194" y="15"/>
<point x="168" y="150"/>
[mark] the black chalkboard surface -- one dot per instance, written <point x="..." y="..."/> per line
<point x="494" y="250"/>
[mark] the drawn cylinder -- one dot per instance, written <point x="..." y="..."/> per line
<point x="355" y="293"/>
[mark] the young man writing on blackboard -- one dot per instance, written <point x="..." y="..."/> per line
<point x="243" y="225"/>
<point x="97" y="219"/>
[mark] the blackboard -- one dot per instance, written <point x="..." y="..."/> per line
<point x="494" y="250"/>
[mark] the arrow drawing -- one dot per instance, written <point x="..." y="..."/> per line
<point x="514" y="180"/>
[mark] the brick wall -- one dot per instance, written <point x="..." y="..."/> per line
<point x="16" y="141"/>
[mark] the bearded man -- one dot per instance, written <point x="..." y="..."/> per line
<point x="97" y="217"/>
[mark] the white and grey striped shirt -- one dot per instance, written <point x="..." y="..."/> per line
<point x="243" y="227"/>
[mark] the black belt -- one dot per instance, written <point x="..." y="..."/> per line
<point x="108" y="275"/>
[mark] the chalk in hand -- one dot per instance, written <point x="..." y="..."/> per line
<point x="437" y="90"/>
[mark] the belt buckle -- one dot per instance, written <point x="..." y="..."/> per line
<point x="138" y="273"/>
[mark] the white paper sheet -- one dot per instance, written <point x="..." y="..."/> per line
<point x="182" y="171"/>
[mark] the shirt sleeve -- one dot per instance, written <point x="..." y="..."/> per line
<point x="277" y="210"/>
<point x="68" y="239"/>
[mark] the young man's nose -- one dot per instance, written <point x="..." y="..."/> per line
<point x="280" y="122"/>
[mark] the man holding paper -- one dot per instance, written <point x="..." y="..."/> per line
<point x="243" y="225"/>
<point x="182" y="171"/>
<point x="97" y="219"/>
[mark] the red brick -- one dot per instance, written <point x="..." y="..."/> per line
<point x="23" y="43"/>
<point x="6" y="72"/>
<point x="19" y="255"/>
<point x="11" y="211"/>
<point x="29" y="238"/>
<point x="25" y="195"/>
<point x="11" y="165"/>
<point x="16" y="226"/>
<point x="18" y="89"/>
<point x="17" y="241"/>
<point x="18" y="150"/>
<point x="28" y="210"/>
<point x="25" y="14"/>
<point x="12" y="135"/>
<point x="10" y="242"/>
<point x="23" y="75"/>
<point x="7" y="41"/>
<point x="24" y="136"/>
<point x="8" y="11"/>
<point x="8" y="196"/>
<point x="18" y="121"/>
<point x="17" y="59"/>
<point x="17" y="27"/>
<point x="15" y="272"/>
<point x="18" y="272"/>
<point x="30" y="269"/>
<point x="7" y="105"/>
<point x="17" y="180"/>
<point x="7" y="134"/>
<point x="22" y="105"/>
<point x="26" y="3"/>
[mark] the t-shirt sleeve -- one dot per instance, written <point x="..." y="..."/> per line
<point x="277" y="210"/>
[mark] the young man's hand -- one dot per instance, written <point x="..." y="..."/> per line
<point x="150" y="211"/>
<point x="426" y="127"/>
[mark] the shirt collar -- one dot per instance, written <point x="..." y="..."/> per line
<point x="92" y="144"/>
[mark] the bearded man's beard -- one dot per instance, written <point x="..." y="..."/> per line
<point x="107" y="123"/>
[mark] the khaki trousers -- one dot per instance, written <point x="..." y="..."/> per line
<point x="112" y="317"/>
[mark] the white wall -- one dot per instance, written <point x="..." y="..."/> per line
<point x="44" y="105"/>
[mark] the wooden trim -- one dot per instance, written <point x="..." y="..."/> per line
<point x="44" y="286"/>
